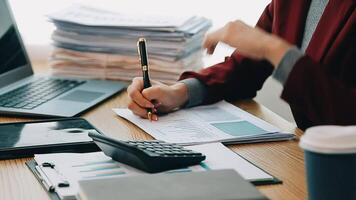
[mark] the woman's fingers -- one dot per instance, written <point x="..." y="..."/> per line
<point x="154" y="117"/>
<point x="142" y="112"/>
<point x="138" y="103"/>
<point x="211" y="48"/>
<point x="210" y="45"/>
<point x="134" y="92"/>
<point x="137" y="110"/>
<point x="137" y="97"/>
<point x="153" y="93"/>
<point x="159" y="97"/>
<point x="211" y="40"/>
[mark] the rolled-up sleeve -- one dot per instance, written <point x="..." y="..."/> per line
<point x="196" y="91"/>
<point x="286" y="65"/>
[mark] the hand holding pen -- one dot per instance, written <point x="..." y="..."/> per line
<point x="149" y="96"/>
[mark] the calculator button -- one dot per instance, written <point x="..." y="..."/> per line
<point x="131" y="142"/>
<point x="146" y="143"/>
<point x="175" y="149"/>
<point x="150" y="153"/>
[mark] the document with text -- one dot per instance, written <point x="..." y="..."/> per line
<point x="219" y="122"/>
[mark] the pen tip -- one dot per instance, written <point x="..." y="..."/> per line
<point x="149" y="115"/>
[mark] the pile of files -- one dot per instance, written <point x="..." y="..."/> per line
<point x="95" y="43"/>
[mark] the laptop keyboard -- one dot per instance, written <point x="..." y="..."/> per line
<point x="34" y="94"/>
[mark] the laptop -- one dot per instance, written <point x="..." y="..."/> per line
<point x="23" y="93"/>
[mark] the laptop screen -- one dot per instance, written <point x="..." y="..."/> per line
<point x="12" y="55"/>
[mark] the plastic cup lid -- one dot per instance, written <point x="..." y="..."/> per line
<point x="330" y="139"/>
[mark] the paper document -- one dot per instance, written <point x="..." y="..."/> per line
<point x="81" y="166"/>
<point x="90" y="16"/>
<point x="219" y="122"/>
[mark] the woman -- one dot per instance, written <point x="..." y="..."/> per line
<point x="307" y="45"/>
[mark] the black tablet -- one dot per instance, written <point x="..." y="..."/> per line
<point x="24" y="139"/>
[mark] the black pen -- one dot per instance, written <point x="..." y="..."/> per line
<point x="142" y="52"/>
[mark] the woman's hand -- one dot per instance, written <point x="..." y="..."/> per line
<point x="251" y="42"/>
<point x="159" y="97"/>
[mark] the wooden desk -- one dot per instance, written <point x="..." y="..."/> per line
<point x="282" y="159"/>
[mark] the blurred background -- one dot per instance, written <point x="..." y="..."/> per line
<point x="36" y="30"/>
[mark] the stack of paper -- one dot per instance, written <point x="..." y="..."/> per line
<point x="94" y="43"/>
